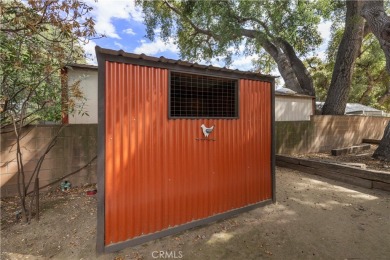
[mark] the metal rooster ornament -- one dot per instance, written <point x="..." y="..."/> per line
<point x="207" y="130"/>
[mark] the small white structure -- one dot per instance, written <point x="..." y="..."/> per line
<point x="357" y="109"/>
<point x="290" y="106"/>
<point x="88" y="76"/>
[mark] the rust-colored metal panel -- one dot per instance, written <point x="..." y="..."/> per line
<point x="159" y="173"/>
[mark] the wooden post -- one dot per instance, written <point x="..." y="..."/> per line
<point x="37" y="197"/>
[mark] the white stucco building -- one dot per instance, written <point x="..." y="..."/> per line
<point x="88" y="76"/>
<point x="289" y="106"/>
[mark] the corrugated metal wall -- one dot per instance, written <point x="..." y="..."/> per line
<point x="157" y="175"/>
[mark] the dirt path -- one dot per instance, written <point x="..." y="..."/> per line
<point x="314" y="218"/>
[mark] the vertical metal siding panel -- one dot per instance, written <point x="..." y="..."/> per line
<point x="256" y="153"/>
<point x="245" y="127"/>
<point x="108" y="159"/>
<point x="187" y="174"/>
<point x="224" y="170"/>
<point x="158" y="175"/>
<point x="182" y="174"/>
<point x="196" y="176"/>
<point x="252" y="143"/>
<point x="264" y="136"/>
<point x="135" y="158"/>
<point x="166" y="149"/>
<point x="142" y="149"/>
<point x="116" y="142"/>
<point x="158" y="165"/>
<point x="132" y="186"/>
<point x="149" y="183"/>
<point x="260" y="142"/>
<point x="255" y="171"/>
<point x="120" y="122"/>
<point x="126" y="148"/>
<point x="137" y="155"/>
<point x="269" y="143"/>
<point x="116" y="147"/>
<point x="170" y="167"/>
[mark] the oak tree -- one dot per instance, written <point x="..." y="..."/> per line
<point x="284" y="30"/>
<point x="379" y="21"/>
<point x="348" y="51"/>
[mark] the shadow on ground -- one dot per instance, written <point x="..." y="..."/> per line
<point x="314" y="218"/>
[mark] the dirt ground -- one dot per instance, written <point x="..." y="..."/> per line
<point x="314" y="218"/>
<point x="361" y="157"/>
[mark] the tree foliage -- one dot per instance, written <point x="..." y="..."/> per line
<point x="221" y="29"/>
<point x="379" y="22"/>
<point x="37" y="39"/>
<point x="370" y="85"/>
<point x="370" y="81"/>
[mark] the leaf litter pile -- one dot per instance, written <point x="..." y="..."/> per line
<point x="362" y="157"/>
<point x="65" y="222"/>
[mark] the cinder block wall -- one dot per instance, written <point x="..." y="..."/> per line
<point x="75" y="147"/>
<point x="323" y="133"/>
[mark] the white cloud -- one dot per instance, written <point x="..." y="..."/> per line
<point x="244" y="63"/>
<point x="104" y="11"/>
<point x="324" y="29"/>
<point x="129" y="31"/>
<point x="322" y="55"/>
<point x="119" y="45"/>
<point x="152" y="48"/>
<point x="89" y="49"/>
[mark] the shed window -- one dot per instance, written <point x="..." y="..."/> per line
<point x="199" y="96"/>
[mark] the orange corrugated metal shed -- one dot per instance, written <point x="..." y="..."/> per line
<point x="157" y="173"/>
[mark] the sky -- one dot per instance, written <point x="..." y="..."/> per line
<point x="122" y="24"/>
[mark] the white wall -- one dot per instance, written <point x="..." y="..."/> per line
<point x="89" y="87"/>
<point x="287" y="107"/>
<point x="293" y="108"/>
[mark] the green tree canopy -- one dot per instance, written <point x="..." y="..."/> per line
<point x="283" y="30"/>
<point x="37" y="39"/>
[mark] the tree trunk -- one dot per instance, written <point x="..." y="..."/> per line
<point x="379" y="22"/>
<point x="300" y="71"/>
<point x="383" y="150"/>
<point x="349" y="48"/>
<point x="287" y="73"/>
<point x="347" y="53"/>
<point x="384" y="97"/>
<point x="287" y="70"/>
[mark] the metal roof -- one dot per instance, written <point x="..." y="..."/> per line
<point x="82" y="66"/>
<point x="290" y="93"/>
<point x="355" y="107"/>
<point x="352" y="107"/>
<point x="162" y="62"/>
